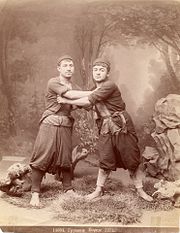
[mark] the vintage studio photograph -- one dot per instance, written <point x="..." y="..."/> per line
<point x="89" y="116"/>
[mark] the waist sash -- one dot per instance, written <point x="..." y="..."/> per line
<point x="110" y="123"/>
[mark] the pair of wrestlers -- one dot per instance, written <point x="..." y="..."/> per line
<point x="117" y="143"/>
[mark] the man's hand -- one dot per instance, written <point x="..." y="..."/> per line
<point x="61" y="100"/>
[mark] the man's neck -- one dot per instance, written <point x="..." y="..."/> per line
<point x="99" y="84"/>
<point x="64" y="79"/>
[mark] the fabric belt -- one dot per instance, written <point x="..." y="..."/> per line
<point x="59" y="120"/>
<point x="114" y="124"/>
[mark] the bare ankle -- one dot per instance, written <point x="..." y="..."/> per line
<point x="35" y="194"/>
<point x="140" y="189"/>
<point x="144" y="195"/>
<point x="99" y="188"/>
<point x="34" y="199"/>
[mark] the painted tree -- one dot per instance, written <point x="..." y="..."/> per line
<point x="130" y="24"/>
<point x="15" y="23"/>
<point x="94" y="31"/>
<point x="155" y="24"/>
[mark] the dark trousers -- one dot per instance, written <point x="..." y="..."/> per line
<point x="37" y="176"/>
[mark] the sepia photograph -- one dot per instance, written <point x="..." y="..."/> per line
<point x="89" y="116"/>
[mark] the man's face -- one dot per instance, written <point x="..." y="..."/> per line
<point x="99" y="73"/>
<point x="66" y="68"/>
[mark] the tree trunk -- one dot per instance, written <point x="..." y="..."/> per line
<point x="170" y="69"/>
<point x="6" y="86"/>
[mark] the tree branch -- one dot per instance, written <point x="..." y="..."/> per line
<point x="157" y="47"/>
<point x="176" y="81"/>
<point x="174" y="42"/>
<point x="100" y="44"/>
<point x="174" y="30"/>
<point x="168" y="43"/>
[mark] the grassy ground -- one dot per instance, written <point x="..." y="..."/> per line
<point x="120" y="204"/>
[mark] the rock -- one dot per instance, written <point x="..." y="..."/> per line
<point x="167" y="136"/>
<point x="17" y="180"/>
<point x="167" y="113"/>
<point x="169" y="190"/>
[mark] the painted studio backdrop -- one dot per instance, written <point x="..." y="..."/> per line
<point x="141" y="39"/>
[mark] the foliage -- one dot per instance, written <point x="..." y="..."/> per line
<point x="18" y="34"/>
<point x="85" y="130"/>
<point x="155" y="24"/>
<point x="4" y="126"/>
<point x="149" y="22"/>
<point x="144" y="134"/>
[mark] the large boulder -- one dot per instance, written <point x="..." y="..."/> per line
<point x="165" y="158"/>
<point x="167" y="113"/>
<point x="17" y="180"/>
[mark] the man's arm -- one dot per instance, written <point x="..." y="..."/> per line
<point x="102" y="93"/>
<point x="99" y="94"/>
<point x="82" y="102"/>
<point x="76" y="94"/>
<point x="63" y="90"/>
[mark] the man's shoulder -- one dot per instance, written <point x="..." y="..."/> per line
<point x="110" y="84"/>
<point x="54" y="81"/>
